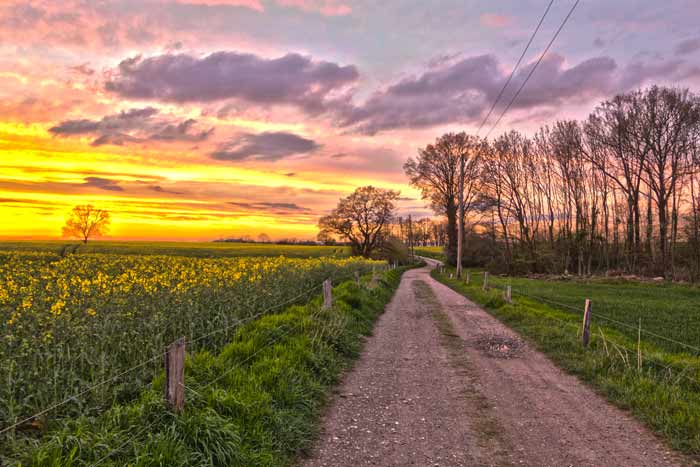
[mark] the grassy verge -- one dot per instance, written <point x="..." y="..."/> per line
<point x="668" y="312"/>
<point x="662" y="388"/>
<point x="257" y="402"/>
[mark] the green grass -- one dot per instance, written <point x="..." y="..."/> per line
<point x="198" y="249"/>
<point x="665" y="309"/>
<point x="67" y="323"/>
<point x="257" y="402"/>
<point x="663" y="390"/>
<point x="435" y="252"/>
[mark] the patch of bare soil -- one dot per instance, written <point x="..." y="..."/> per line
<point x="499" y="346"/>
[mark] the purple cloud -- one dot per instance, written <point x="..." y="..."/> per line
<point x="267" y="146"/>
<point x="114" y="139"/>
<point x="292" y="79"/>
<point x="102" y="184"/>
<point x="123" y="121"/>
<point x="276" y="208"/>
<point x="160" y="189"/>
<point x="688" y="46"/>
<point x="183" y="131"/>
<point x="462" y="91"/>
<point x="132" y="126"/>
<point x="454" y="92"/>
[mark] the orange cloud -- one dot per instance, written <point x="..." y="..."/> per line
<point x="252" y="4"/>
<point x="493" y="20"/>
<point x="324" y="7"/>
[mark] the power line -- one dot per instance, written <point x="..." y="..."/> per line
<point x="515" y="68"/>
<point x="532" y="70"/>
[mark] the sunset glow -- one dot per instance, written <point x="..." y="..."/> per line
<point x="201" y="119"/>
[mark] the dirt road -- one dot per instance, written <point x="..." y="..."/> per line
<point x="442" y="383"/>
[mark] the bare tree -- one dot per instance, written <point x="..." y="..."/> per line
<point x="610" y="131"/>
<point x="85" y="222"/>
<point x="469" y="149"/>
<point x="435" y="173"/>
<point x="446" y="172"/>
<point x="611" y="193"/>
<point x="667" y="119"/>
<point x="361" y="218"/>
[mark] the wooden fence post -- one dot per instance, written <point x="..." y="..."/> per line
<point x="486" y="281"/>
<point x="639" y="347"/>
<point x="469" y="277"/>
<point x="586" y="330"/>
<point x="327" y="294"/>
<point x="508" y="294"/>
<point x="175" y="375"/>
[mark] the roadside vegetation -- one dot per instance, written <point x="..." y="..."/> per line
<point x="69" y="323"/>
<point x="255" y="402"/>
<point x="662" y="388"/>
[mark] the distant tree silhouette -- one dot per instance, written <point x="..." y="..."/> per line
<point x="85" y="222"/>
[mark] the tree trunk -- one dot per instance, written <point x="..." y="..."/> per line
<point x="460" y="217"/>
<point x="663" y="236"/>
<point x="451" y="250"/>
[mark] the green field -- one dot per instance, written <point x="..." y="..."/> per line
<point x="436" y="252"/>
<point x="257" y="402"/>
<point x="669" y="313"/>
<point x="82" y="334"/>
<point x="662" y="388"/>
<point x="197" y="249"/>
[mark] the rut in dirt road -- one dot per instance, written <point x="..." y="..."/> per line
<point x="441" y="382"/>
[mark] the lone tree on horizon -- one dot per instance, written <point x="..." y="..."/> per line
<point x="361" y="218"/>
<point x="86" y="221"/>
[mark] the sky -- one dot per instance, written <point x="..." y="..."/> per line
<point x="203" y="119"/>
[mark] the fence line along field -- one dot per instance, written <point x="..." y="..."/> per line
<point x="643" y="352"/>
<point x="668" y="312"/>
<point x="67" y="323"/>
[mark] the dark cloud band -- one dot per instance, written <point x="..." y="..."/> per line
<point x="292" y="79"/>
<point x="133" y="126"/>
<point x="268" y="146"/>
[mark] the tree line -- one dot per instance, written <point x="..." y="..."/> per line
<point x="618" y="191"/>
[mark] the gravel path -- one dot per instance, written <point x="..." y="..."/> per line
<point x="433" y="388"/>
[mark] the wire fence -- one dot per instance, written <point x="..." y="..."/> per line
<point x="198" y="392"/>
<point x="676" y="370"/>
<point x="161" y="355"/>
